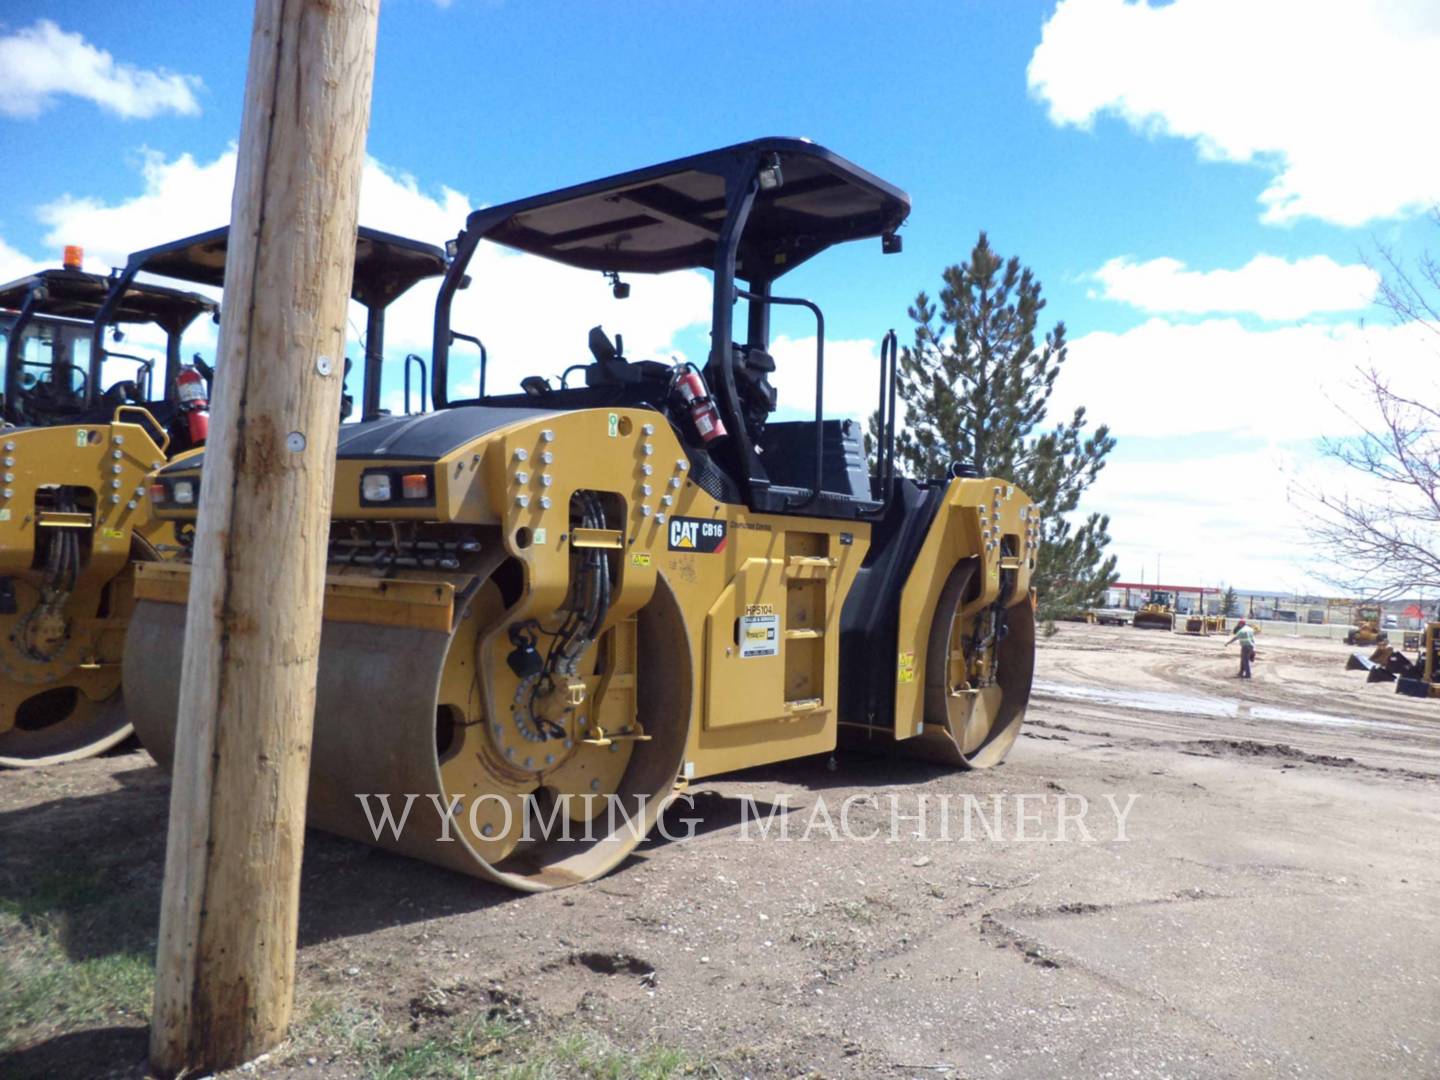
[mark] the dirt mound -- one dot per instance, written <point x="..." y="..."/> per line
<point x="1249" y="748"/>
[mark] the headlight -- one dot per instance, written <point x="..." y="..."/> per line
<point x="183" y="492"/>
<point x="375" y="487"/>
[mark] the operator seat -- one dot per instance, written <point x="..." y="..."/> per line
<point x="753" y="367"/>
<point x="612" y="369"/>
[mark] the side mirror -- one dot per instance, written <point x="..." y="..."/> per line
<point x="892" y="243"/>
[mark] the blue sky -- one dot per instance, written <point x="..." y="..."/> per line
<point x="1140" y="158"/>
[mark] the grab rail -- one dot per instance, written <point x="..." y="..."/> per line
<point x="792" y="301"/>
<point x="415" y="358"/>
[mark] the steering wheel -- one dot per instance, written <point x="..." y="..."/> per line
<point x="69" y="371"/>
<point x="54" y="393"/>
<point x="61" y="382"/>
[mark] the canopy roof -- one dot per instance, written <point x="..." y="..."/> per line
<point x="669" y="217"/>
<point x="75" y="294"/>
<point x="385" y="265"/>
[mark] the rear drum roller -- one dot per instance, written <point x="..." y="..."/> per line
<point x="972" y="722"/>
<point x="402" y="713"/>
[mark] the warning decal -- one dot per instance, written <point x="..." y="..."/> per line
<point x="696" y="534"/>
<point x="760" y="635"/>
<point x="907" y="667"/>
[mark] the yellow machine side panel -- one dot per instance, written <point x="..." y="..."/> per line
<point x="108" y="460"/>
<point x="771" y="634"/>
<point x="705" y="550"/>
<point x="744" y="669"/>
<point x="979" y="519"/>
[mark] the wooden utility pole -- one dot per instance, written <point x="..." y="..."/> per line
<point x="226" y="958"/>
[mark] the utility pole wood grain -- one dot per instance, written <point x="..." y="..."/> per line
<point x="225" y="964"/>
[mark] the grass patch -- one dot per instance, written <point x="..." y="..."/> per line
<point x="47" y="985"/>
<point x="591" y="1055"/>
<point x="44" y="992"/>
<point x="498" y="1047"/>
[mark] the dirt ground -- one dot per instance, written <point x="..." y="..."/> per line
<point x="1273" y="911"/>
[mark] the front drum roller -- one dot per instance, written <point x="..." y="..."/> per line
<point x="974" y="728"/>
<point x="67" y="708"/>
<point x="398" y="714"/>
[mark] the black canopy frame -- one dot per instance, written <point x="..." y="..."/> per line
<point x="81" y="298"/>
<point x="386" y="267"/>
<point x="753" y="212"/>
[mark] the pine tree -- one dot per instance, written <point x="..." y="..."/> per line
<point x="1229" y="602"/>
<point x="975" y="387"/>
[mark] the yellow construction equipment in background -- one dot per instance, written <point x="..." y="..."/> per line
<point x="1157" y="613"/>
<point x="1366" y="618"/>
<point x="72" y="519"/>
<point x="1417" y="678"/>
<point x="73" y="513"/>
<point x="549" y="604"/>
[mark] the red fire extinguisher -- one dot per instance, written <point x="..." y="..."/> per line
<point x="703" y="413"/>
<point x="194" y="404"/>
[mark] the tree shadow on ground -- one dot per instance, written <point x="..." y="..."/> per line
<point x="111" y="1053"/>
<point x="88" y="869"/>
<point x="847" y="767"/>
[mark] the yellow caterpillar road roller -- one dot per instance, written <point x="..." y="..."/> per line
<point x="548" y="610"/>
<point x="72" y="516"/>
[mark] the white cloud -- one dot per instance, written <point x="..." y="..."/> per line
<point x="1224" y="516"/>
<point x="13" y="263"/>
<point x="1229" y="416"/>
<point x="1335" y="99"/>
<point x="178" y="198"/>
<point x="1267" y="286"/>
<point x="852" y="378"/>
<point x="41" y="62"/>
<point x="1163" y="378"/>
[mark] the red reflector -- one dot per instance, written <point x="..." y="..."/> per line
<point x="415" y="486"/>
<point x="157" y="493"/>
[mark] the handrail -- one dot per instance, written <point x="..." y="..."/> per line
<point x="455" y="335"/>
<point x="792" y="301"/>
<point x="149" y="418"/>
<point x="885" y="451"/>
<point x="415" y="358"/>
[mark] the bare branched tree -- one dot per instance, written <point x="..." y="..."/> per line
<point x="1413" y="296"/>
<point x="1386" y="540"/>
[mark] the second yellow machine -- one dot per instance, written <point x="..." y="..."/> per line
<point x="547" y="606"/>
